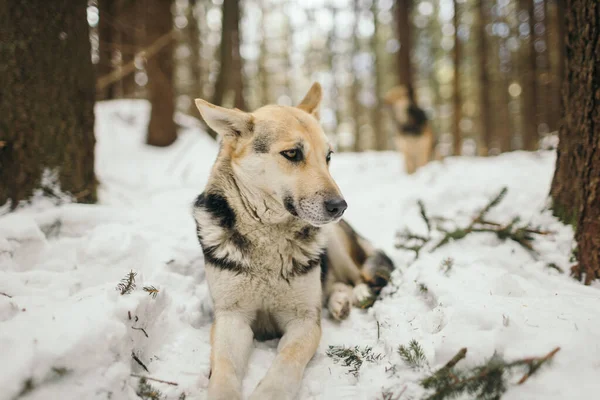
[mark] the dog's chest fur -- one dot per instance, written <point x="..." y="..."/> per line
<point x="255" y="267"/>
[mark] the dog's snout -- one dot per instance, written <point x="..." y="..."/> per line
<point x="336" y="206"/>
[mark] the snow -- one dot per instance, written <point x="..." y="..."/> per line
<point x="60" y="266"/>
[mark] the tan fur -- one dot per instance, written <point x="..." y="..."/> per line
<point x="280" y="225"/>
<point x="417" y="149"/>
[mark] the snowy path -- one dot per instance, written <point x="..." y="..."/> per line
<point x="60" y="267"/>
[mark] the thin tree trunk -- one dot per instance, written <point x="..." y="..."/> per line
<point x="529" y="83"/>
<point x="162" y="130"/>
<point x="381" y="142"/>
<point x="484" y="80"/>
<point x="404" y="32"/>
<point x="355" y="104"/>
<point x="576" y="185"/>
<point x="46" y="101"/>
<point x="107" y="38"/>
<point x="193" y="37"/>
<point x="127" y="25"/>
<point x="230" y="73"/>
<point x="456" y="99"/>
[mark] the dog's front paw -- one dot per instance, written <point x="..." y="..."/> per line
<point x="267" y="392"/>
<point x="361" y="293"/>
<point x="223" y="392"/>
<point x="339" y="305"/>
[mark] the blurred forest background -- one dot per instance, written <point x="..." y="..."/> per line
<point x="487" y="72"/>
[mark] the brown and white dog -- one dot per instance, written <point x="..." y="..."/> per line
<point x="269" y="225"/>
<point x="414" y="135"/>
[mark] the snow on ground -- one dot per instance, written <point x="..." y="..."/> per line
<point x="59" y="267"/>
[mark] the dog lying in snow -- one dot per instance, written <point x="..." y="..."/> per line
<point x="269" y="225"/>
<point x="414" y="137"/>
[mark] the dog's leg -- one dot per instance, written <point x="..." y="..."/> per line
<point x="231" y="341"/>
<point x="297" y="346"/>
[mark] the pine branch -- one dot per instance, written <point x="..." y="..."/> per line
<point x="487" y="381"/>
<point x="413" y="355"/>
<point x="353" y="357"/>
<point x="147" y="392"/>
<point x="155" y="380"/>
<point x="127" y="284"/>
<point x="151" y="290"/>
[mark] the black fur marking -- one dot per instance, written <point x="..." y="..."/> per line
<point x="324" y="265"/>
<point x="307" y="234"/>
<point x="222" y="263"/>
<point x="416" y="121"/>
<point x="304" y="268"/>
<point x="261" y="144"/>
<point x="239" y="241"/>
<point x="217" y="206"/>
<point x="288" y="202"/>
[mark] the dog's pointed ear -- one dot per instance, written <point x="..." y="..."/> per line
<point x="225" y="121"/>
<point x="310" y="103"/>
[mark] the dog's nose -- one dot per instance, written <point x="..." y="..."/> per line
<point x="336" y="207"/>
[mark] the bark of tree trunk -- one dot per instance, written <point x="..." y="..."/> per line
<point x="404" y="32"/>
<point x="456" y="98"/>
<point x="355" y="106"/>
<point x="230" y="73"/>
<point x="529" y="83"/>
<point x="162" y="130"/>
<point x="46" y="99"/>
<point x="381" y="140"/>
<point x="195" y="44"/>
<point x="107" y="38"/>
<point x="484" y="81"/>
<point x="576" y="185"/>
<point x="128" y="25"/>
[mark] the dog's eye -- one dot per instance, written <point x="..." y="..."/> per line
<point x="328" y="158"/>
<point x="294" y="155"/>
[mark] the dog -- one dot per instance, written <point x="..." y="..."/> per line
<point x="275" y="248"/>
<point x="415" y="138"/>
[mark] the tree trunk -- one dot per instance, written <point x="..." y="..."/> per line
<point x="484" y="80"/>
<point x="107" y="38"/>
<point x="162" y="130"/>
<point x="46" y="101"/>
<point x="456" y="99"/>
<point x="404" y="32"/>
<point x="127" y="24"/>
<point x="529" y="83"/>
<point x="193" y="33"/>
<point x="576" y="185"/>
<point x="381" y="142"/>
<point x="355" y="89"/>
<point x="230" y="73"/>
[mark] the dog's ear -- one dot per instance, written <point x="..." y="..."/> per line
<point x="310" y="102"/>
<point x="225" y="121"/>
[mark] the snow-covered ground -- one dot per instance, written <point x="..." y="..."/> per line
<point x="59" y="267"/>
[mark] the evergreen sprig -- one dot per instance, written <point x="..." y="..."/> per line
<point x="151" y="290"/>
<point x="353" y="357"/>
<point x="147" y="392"/>
<point x="488" y="381"/>
<point x="413" y="355"/>
<point x="127" y="284"/>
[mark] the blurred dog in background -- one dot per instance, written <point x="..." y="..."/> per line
<point x="414" y="135"/>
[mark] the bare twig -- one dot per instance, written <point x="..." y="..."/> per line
<point x="535" y="364"/>
<point x="7" y="295"/>
<point x="137" y="360"/>
<point x="140" y="329"/>
<point x="155" y="380"/>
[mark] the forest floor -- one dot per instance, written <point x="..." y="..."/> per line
<point x="66" y="332"/>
